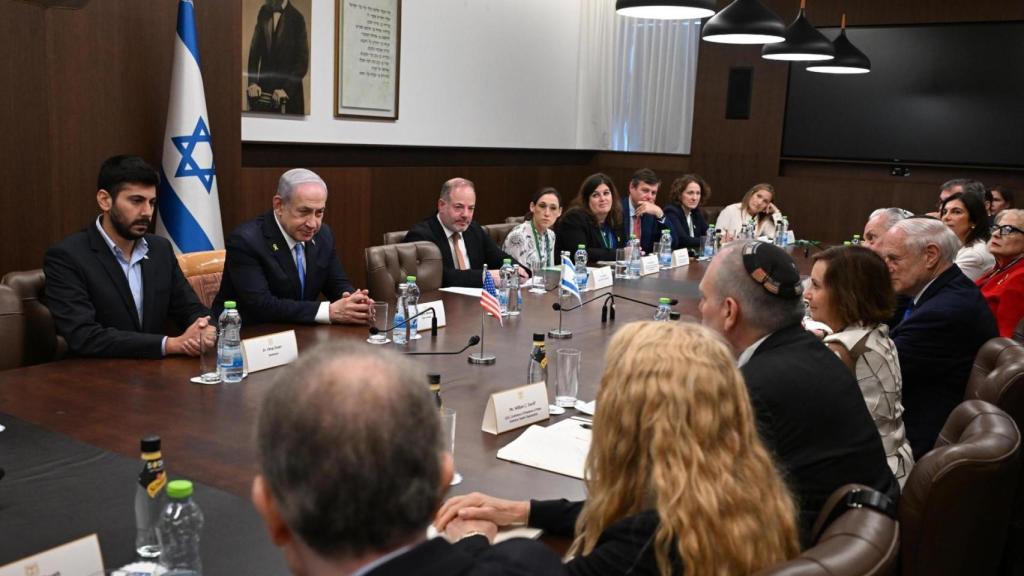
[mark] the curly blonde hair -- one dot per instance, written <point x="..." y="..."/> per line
<point x="676" y="433"/>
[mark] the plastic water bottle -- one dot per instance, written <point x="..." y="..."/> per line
<point x="412" y="301"/>
<point x="856" y="240"/>
<point x="180" y="525"/>
<point x="664" y="309"/>
<point x="504" y="284"/>
<point x="229" y="351"/>
<point x="634" y="256"/>
<point x="398" y="335"/>
<point x="580" y="258"/>
<point x="709" y="244"/>
<point x="782" y="232"/>
<point x="515" y="299"/>
<point x="149" y="498"/>
<point x="538" y="369"/>
<point x="434" y="381"/>
<point x="665" y="251"/>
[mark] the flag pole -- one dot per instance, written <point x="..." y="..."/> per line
<point x="480" y="357"/>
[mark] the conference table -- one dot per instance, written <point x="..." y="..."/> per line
<point x="208" y="431"/>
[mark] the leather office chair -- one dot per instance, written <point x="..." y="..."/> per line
<point x="12" y="329"/>
<point x="1018" y="332"/>
<point x="42" y="344"/>
<point x="711" y="213"/>
<point x="515" y="219"/>
<point x="860" y="541"/>
<point x="955" y="508"/>
<point x="204" y="271"/>
<point x="387" y="266"/>
<point x="499" y="231"/>
<point x="998" y="378"/>
<point x="394" y="237"/>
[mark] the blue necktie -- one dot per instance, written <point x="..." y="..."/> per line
<point x="300" y="263"/>
<point x="910" y="308"/>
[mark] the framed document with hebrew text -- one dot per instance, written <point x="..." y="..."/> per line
<point x="367" y="46"/>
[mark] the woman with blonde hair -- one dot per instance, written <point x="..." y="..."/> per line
<point x="677" y="476"/>
<point x="757" y="207"/>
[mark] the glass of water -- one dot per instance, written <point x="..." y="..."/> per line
<point x="568" y="384"/>
<point x="209" y="371"/>
<point x="621" y="263"/>
<point x="537" y="281"/>
<point x="448" y="430"/>
<point x="379" y="320"/>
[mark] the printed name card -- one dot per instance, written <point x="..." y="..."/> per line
<point x="516" y="408"/>
<point x="680" y="257"/>
<point x="599" y="278"/>
<point x="270" y="351"/>
<point x="649" y="265"/>
<point x="78" y="558"/>
<point x="424" y="321"/>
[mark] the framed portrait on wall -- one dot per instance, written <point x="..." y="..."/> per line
<point x="367" y="47"/>
<point x="275" y="56"/>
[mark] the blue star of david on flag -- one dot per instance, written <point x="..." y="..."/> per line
<point x="188" y="166"/>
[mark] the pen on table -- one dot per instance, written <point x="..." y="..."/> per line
<point x="586" y="426"/>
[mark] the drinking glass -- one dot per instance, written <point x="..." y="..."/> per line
<point x="379" y="320"/>
<point x="703" y="255"/>
<point x="537" y="281"/>
<point x="209" y="371"/>
<point x="568" y="384"/>
<point x="448" y="429"/>
<point x="620" y="263"/>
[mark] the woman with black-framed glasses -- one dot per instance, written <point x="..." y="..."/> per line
<point x="1003" y="286"/>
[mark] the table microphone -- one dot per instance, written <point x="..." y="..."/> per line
<point x="473" y="341"/>
<point x="433" y="323"/>
<point x="608" y="309"/>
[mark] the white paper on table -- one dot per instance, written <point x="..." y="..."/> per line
<point x="505" y="533"/>
<point x="586" y="407"/>
<point x="560" y="448"/>
<point x="474" y="292"/>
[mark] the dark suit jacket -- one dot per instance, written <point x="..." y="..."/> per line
<point x="92" y="305"/>
<point x="625" y="546"/>
<point x="576" y="227"/>
<point x="811" y="414"/>
<point x="937" y="344"/>
<point x="675" y="219"/>
<point x="279" y="59"/>
<point x="650" y="228"/>
<point x="480" y="249"/>
<point x="473" y="556"/>
<point x="260" y="274"/>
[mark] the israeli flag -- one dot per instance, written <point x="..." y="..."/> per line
<point x="569" y="278"/>
<point x="189" y="214"/>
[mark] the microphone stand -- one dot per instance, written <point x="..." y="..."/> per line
<point x="561" y="334"/>
<point x="433" y="324"/>
<point x="480" y="357"/>
<point x="608" y="309"/>
<point x="473" y="340"/>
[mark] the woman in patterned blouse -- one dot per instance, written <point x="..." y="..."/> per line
<point x="534" y="240"/>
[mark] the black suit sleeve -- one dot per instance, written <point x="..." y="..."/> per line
<point x="74" y="314"/>
<point x="556" y="517"/>
<point x="515" y="557"/>
<point x="255" y="298"/>
<point x="257" y="48"/>
<point x="299" y="63"/>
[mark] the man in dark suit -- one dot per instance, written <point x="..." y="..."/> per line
<point x="279" y="263"/>
<point x="943" y="324"/>
<point x="278" y="58"/>
<point x="111" y="287"/>
<point x="465" y="246"/>
<point x="640" y="215"/>
<point x="352" y="467"/>
<point x="810" y="412"/>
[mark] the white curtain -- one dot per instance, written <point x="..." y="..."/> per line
<point x="635" y="81"/>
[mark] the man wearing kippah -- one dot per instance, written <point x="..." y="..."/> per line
<point x="809" y="409"/>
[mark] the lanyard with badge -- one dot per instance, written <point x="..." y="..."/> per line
<point x="546" y="253"/>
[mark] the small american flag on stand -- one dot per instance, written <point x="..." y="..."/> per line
<point x="489" y="297"/>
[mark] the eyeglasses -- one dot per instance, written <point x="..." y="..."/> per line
<point x="1005" y="229"/>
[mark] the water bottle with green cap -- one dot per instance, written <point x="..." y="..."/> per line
<point x="229" y="352"/>
<point x="181" y="524"/>
<point x="412" y="301"/>
<point x="664" y="309"/>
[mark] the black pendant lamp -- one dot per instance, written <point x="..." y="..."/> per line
<point x="848" y="60"/>
<point x="666" y="9"/>
<point x="803" y="42"/>
<point x="744" y="22"/>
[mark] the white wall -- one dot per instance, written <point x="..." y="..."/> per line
<point x="485" y="73"/>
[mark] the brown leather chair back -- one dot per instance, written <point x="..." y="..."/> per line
<point x="1018" y="332"/>
<point x="515" y="220"/>
<point x="499" y="231"/>
<point x="711" y="213"/>
<point x="12" y="329"/>
<point x="387" y="266"/>
<point x="204" y="271"/>
<point x="395" y="237"/>
<point x="42" y="344"/>
<point x="860" y="541"/>
<point x="955" y="507"/>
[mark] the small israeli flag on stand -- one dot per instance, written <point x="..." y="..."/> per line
<point x="569" y="278"/>
<point x="189" y="208"/>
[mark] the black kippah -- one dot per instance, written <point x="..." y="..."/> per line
<point x="773" y="269"/>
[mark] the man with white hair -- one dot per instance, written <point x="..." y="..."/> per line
<point x="280" y="262"/>
<point x="944" y="323"/>
<point x="879" y="223"/>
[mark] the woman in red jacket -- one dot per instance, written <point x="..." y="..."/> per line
<point x="1003" y="286"/>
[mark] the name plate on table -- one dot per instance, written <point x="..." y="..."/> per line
<point x="680" y="257"/>
<point x="649" y="265"/>
<point x="424" y="321"/>
<point x="270" y="351"/>
<point x="77" y="558"/>
<point x="515" y="408"/>
<point x="599" y="278"/>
